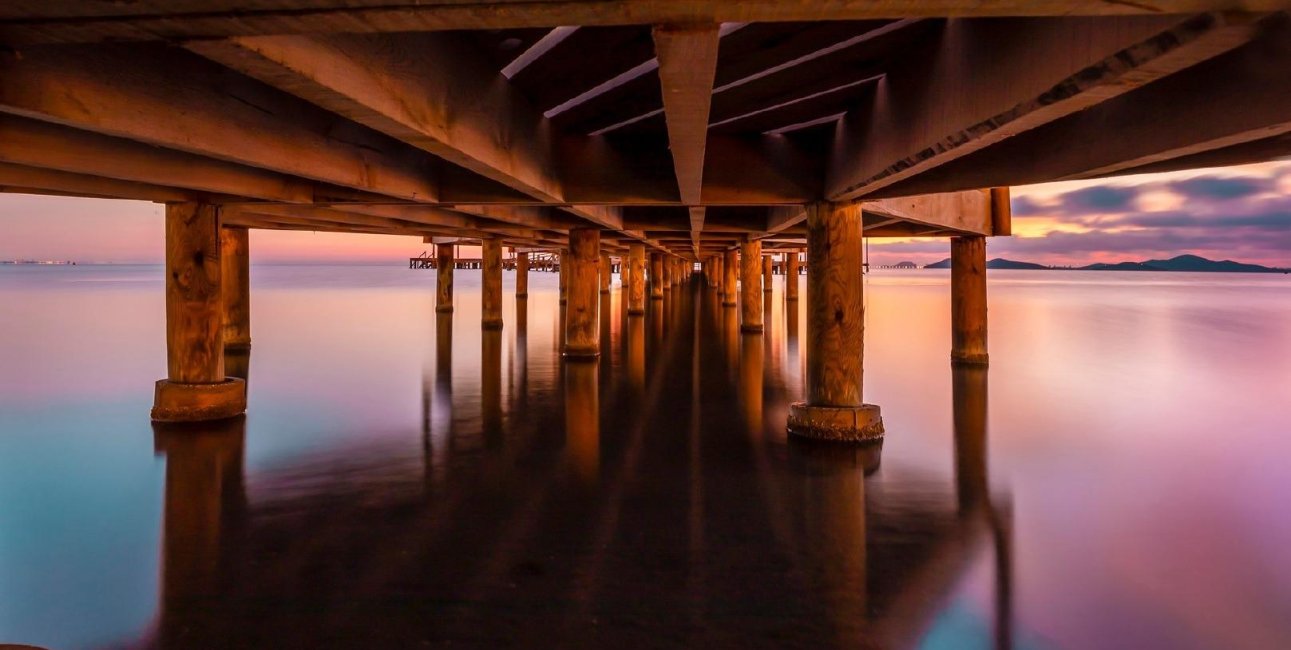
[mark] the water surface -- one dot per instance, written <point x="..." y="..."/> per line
<point x="1117" y="478"/>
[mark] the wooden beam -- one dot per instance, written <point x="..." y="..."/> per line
<point x="696" y="227"/>
<point x="164" y="97"/>
<point x="961" y="212"/>
<point x="687" y="64"/>
<point x="31" y="180"/>
<point x="986" y="81"/>
<point x="1220" y="104"/>
<point x="168" y="20"/>
<point x="40" y="144"/>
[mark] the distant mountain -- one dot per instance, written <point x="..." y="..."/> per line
<point x="997" y="263"/>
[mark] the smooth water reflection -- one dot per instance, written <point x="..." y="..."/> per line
<point x="403" y="477"/>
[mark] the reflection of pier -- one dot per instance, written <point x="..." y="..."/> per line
<point x="580" y="499"/>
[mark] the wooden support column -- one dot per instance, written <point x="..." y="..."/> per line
<point x="235" y="264"/>
<point x="581" y="336"/>
<point x="968" y="300"/>
<point x="444" y="264"/>
<point x="195" y="388"/>
<point x="751" y="286"/>
<point x="791" y="276"/>
<point x="766" y="273"/>
<point x="491" y="283"/>
<point x="636" y="279"/>
<point x="564" y="276"/>
<point x="607" y="270"/>
<point x="730" y="267"/>
<point x="656" y="276"/>
<point x="667" y="274"/>
<point x="522" y="275"/>
<point x="834" y="409"/>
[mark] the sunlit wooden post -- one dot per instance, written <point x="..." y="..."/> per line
<point x="834" y="408"/>
<point x="968" y="300"/>
<point x="766" y="273"/>
<point x="791" y="272"/>
<point x="751" y="286"/>
<point x="195" y="387"/>
<point x="730" y="267"/>
<point x="656" y="276"/>
<point x="235" y="265"/>
<point x="636" y="279"/>
<point x="667" y="267"/>
<point x="564" y="276"/>
<point x="444" y="264"/>
<point x="581" y="338"/>
<point x="491" y="284"/>
<point x="522" y="275"/>
<point x="607" y="271"/>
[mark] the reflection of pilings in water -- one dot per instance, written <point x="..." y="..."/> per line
<point x="793" y="357"/>
<point x="731" y="338"/>
<point x="605" y="315"/>
<point x="833" y="531"/>
<point x="696" y="576"/>
<point x="521" y="394"/>
<point x="204" y="498"/>
<point x="582" y="420"/>
<point x="440" y="417"/>
<point x="751" y="362"/>
<point x="636" y="353"/>
<point x="491" y="386"/>
<point x="969" y="390"/>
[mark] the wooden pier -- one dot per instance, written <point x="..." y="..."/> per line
<point x="580" y="134"/>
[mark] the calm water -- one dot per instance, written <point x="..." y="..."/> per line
<point x="1118" y="479"/>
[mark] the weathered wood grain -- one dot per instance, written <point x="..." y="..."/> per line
<point x="835" y="305"/>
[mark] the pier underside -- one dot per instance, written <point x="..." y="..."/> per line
<point x="651" y="135"/>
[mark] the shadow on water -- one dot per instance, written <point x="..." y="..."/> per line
<point x="650" y="498"/>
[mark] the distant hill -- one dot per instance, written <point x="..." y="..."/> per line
<point x="997" y="263"/>
<point x="1183" y="263"/>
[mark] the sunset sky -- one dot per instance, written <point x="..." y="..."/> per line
<point x="1241" y="213"/>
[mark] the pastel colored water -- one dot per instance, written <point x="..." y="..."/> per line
<point x="1118" y="479"/>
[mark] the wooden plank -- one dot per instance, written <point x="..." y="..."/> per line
<point x="986" y="81"/>
<point x="687" y="63"/>
<point x="31" y="22"/>
<point x="40" y="144"/>
<point x="165" y="97"/>
<point x="963" y="212"/>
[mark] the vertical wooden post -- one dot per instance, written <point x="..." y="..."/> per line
<point x="835" y="331"/>
<point x="667" y="267"/>
<point x="791" y="275"/>
<point x="522" y="275"/>
<point x="491" y="284"/>
<point x="444" y="270"/>
<point x="656" y="276"/>
<point x="564" y="276"/>
<point x="766" y="273"/>
<point x="751" y="286"/>
<point x="196" y="388"/>
<point x="730" y="267"/>
<point x="581" y="338"/>
<point x="235" y="267"/>
<point x="968" y="300"/>
<point x="606" y="272"/>
<point x="636" y="279"/>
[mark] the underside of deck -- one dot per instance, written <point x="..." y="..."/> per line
<point x="686" y="126"/>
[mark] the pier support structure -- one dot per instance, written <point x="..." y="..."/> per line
<point x="195" y="388"/>
<point x="522" y="275"/>
<point x="730" y="266"/>
<point x="564" y="276"/>
<point x="968" y="300"/>
<point x="656" y="276"/>
<point x="834" y="409"/>
<point x="444" y="264"/>
<point x="582" y="339"/>
<point x="607" y="270"/>
<point x="791" y="275"/>
<point x="491" y="284"/>
<point x="766" y="273"/>
<point x="668" y="276"/>
<point x="235" y="265"/>
<point x="636" y="279"/>
<point x="751" y="286"/>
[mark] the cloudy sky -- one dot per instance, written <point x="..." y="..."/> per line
<point x="1241" y="213"/>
